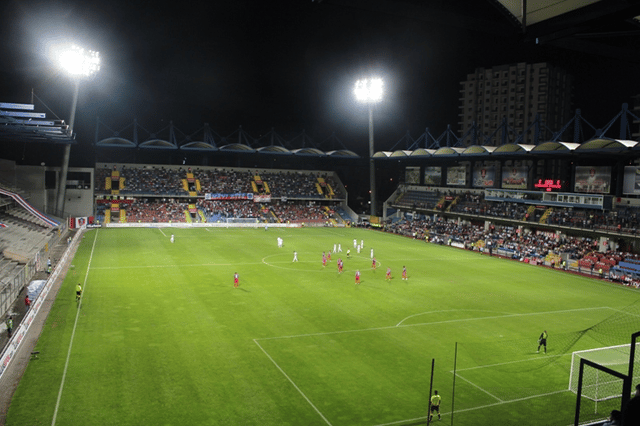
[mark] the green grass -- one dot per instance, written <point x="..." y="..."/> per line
<point x="163" y="338"/>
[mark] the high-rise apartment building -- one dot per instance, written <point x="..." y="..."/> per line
<point x="518" y="92"/>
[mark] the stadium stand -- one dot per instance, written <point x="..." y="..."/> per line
<point x="156" y="194"/>
<point x="25" y="238"/>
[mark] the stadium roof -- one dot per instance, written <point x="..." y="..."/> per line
<point x="600" y="145"/>
<point x="19" y="124"/>
<point x="592" y="26"/>
<point x="542" y="10"/>
<point x="204" y="140"/>
<point x="198" y="146"/>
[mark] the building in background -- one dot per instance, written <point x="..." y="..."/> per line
<point x="515" y="95"/>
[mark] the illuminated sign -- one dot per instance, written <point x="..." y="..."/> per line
<point x="548" y="184"/>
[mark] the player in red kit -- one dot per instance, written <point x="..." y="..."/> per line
<point x="328" y="256"/>
<point x="404" y="272"/>
<point x="373" y="263"/>
<point x="236" y="280"/>
<point x="388" y="274"/>
<point x="340" y="266"/>
<point x="324" y="260"/>
<point x="358" y="277"/>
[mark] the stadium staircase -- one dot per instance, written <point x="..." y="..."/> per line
<point x="115" y="207"/>
<point x="331" y="193"/>
<point x="328" y="213"/>
<point x="260" y="186"/>
<point x="187" y="213"/>
<point x="553" y="259"/>
<point x="530" y="211"/>
<point x="545" y="215"/>
<point x="123" y="216"/>
<point x="107" y="216"/>
<point x="324" y="188"/>
<point x="453" y="203"/>
<point x="201" y="215"/>
<point x="191" y="183"/>
<point x="264" y="211"/>
<point x="115" y="177"/>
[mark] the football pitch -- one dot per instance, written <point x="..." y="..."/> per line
<point x="162" y="337"/>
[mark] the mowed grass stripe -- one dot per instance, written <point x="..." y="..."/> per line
<point x="164" y="338"/>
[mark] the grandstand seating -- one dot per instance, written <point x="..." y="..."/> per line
<point x="23" y="236"/>
<point x="625" y="220"/>
<point x="157" y="192"/>
<point x="418" y="200"/>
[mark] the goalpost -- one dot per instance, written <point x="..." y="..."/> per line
<point x="603" y="375"/>
<point x="598" y="385"/>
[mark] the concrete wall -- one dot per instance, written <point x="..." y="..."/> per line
<point x="30" y="180"/>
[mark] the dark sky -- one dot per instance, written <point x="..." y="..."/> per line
<point x="286" y="64"/>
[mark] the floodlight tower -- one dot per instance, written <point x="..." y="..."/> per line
<point x="80" y="64"/>
<point x="370" y="91"/>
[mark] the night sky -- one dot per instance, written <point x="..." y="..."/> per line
<point x="288" y="64"/>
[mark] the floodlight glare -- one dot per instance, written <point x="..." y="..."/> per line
<point x="369" y="90"/>
<point x="80" y="62"/>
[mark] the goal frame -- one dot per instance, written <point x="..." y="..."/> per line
<point x="579" y="354"/>
<point x="626" y="378"/>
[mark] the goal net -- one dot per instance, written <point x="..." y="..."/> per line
<point x="597" y="385"/>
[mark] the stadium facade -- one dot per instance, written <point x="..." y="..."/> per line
<point x="516" y="95"/>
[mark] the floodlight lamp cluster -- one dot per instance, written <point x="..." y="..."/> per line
<point x="369" y="90"/>
<point x="80" y="62"/>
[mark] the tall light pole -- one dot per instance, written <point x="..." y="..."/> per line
<point x="79" y="63"/>
<point x="370" y="91"/>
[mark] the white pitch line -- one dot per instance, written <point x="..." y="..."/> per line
<point x="160" y="229"/>
<point x="292" y="382"/>
<point x="510" y="362"/>
<point x="626" y="313"/>
<point x="403" y="422"/>
<point x="73" y="333"/>
<point x="475" y="408"/>
<point x="427" y="323"/>
<point x="449" y="310"/>
<point x="510" y="401"/>
<point x="509" y="315"/>
<point x="478" y="387"/>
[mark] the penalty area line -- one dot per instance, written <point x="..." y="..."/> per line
<point x="479" y="388"/>
<point x="293" y="383"/>
<point x="73" y="333"/>
<point x="405" y="421"/>
<point x="509" y="362"/>
<point x="501" y="316"/>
